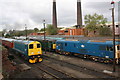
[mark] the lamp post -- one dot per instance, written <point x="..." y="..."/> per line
<point x="26" y="31"/>
<point x="113" y="24"/>
<point x="44" y="35"/>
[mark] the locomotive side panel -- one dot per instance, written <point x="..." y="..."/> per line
<point x="21" y="47"/>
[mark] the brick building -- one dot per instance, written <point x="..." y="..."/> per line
<point x="39" y="33"/>
<point x="79" y="31"/>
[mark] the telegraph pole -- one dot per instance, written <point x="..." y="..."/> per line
<point x="44" y="34"/>
<point x="113" y="24"/>
<point x="26" y="31"/>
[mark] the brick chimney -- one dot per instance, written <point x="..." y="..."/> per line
<point x="54" y="19"/>
<point x="79" y="13"/>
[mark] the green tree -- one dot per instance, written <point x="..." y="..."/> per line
<point x="7" y="36"/>
<point x="105" y="31"/>
<point x="42" y="29"/>
<point x="4" y="31"/>
<point x="51" y="30"/>
<point x="0" y="33"/>
<point x="36" y="29"/>
<point x="94" y="21"/>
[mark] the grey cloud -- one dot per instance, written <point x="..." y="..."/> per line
<point x="101" y="8"/>
<point x="14" y="14"/>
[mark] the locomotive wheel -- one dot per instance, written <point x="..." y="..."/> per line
<point x="40" y="60"/>
<point x="32" y="61"/>
<point x="67" y="53"/>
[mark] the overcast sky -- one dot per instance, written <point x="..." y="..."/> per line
<point x="14" y="14"/>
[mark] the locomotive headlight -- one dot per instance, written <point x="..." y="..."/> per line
<point x="32" y="53"/>
<point x="107" y="56"/>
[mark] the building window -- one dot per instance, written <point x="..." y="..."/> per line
<point x="108" y="25"/>
<point x="66" y="31"/>
<point x="117" y="26"/>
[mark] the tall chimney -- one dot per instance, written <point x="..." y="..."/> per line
<point x="54" y="20"/>
<point x="79" y="13"/>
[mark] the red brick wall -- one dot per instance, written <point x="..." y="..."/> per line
<point x="36" y="34"/>
<point x="72" y="32"/>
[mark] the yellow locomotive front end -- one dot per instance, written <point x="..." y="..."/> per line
<point x="54" y="46"/>
<point x="34" y="52"/>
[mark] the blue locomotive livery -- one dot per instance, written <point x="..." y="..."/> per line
<point x="29" y="49"/>
<point x="97" y="50"/>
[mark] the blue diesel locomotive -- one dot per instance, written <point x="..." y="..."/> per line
<point x="97" y="50"/>
<point x="31" y="50"/>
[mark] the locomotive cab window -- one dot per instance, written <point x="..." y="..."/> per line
<point x="38" y="45"/>
<point x="118" y="47"/>
<point x="59" y="44"/>
<point x="31" y="46"/>
<point x="65" y="44"/>
<point x="109" y="48"/>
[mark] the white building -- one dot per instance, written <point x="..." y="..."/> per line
<point x="117" y="27"/>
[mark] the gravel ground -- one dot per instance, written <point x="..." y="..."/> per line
<point x="35" y="73"/>
<point x="69" y="71"/>
<point x="85" y="63"/>
<point x="32" y="73"/>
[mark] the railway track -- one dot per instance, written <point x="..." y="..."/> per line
<point x="57" y="74"/>
<point x="80" y="68"/>
<point x="54" y="73"/>
<point x="60" y="75"/>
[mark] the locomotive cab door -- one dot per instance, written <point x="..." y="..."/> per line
<point x="61" y="46"/>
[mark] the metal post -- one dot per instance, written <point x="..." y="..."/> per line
<point x="44" y="34"/>
<point x="113" y="24"/>
<point x="26" y="31"/>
